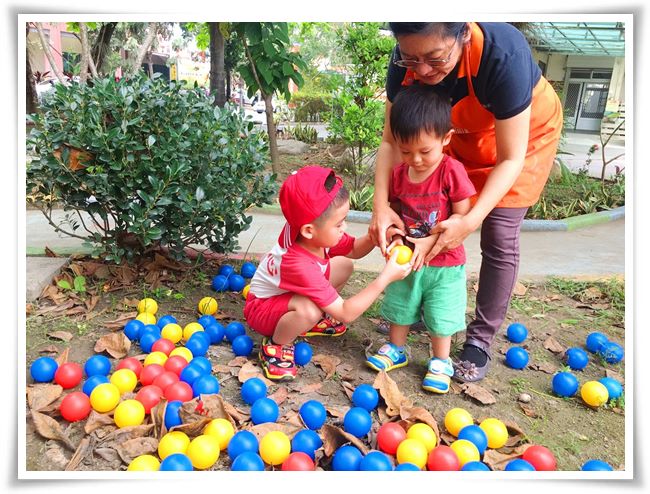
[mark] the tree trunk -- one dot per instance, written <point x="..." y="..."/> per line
<point x="102" y="44"/>
<point x="85" y="53"/>
<point x="142" y="52"/>
<point x="48" y="53"/>
<point x="217" y="73"/>
<point x="32" y="96"/>
<point x="273" y="138"/>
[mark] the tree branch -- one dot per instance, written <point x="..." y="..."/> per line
<point x="48" y="53"/>
<point x="135" y="67"/>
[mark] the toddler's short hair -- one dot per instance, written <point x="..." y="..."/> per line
<point x="419" y="108"/>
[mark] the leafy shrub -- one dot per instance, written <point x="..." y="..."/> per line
<point x="160" y="166"/>
<point x="305" y="133"/>
<point x="311" y="107"/>
<point x="361" y="200"/>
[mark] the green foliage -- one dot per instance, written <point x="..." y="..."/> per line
<point x="305" y="133"/>
<point x="361" y="200"/>
<point x="78" y="284"/>
<point x="311" y="107"/>
<point x="164" y="166"/>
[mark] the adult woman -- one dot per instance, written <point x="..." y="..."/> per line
<point x="507" y="121"/>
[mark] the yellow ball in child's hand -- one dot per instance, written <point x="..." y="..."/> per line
<point x="404" y="253"/>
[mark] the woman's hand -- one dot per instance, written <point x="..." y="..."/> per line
<point x="453" y="231"/>
<point x="422" y="247"/>
<point x="382" y="219"/>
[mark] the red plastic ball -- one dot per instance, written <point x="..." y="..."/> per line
<point x="298" y="461"/>
<point x="130" y="363"/>
<point x="540" y="457"/>
<point x="163" y="345"/>
<point x="443" y="458"/>
<point x="389" y="436"/>
<point x="165" y="379"/>
<point x="149" y="396"/>
<point x="178" y="391"/>
<point x="75" y="406"/>
<point x="68" y="375"/>
<point x="150" y="372"/>
<point x="175" y="364"/>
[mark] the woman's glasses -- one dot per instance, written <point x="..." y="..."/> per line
<point x="434" y="62"/>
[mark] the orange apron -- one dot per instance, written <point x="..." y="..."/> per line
<point x="474" y="144"/>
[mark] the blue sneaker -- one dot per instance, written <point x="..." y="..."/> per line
<point x="387" y="358"/>
<point x="438" y="376"/>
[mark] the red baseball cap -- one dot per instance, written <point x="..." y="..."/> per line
<point x="304" y="196"/>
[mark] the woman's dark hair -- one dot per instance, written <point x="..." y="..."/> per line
<point x="443" y="29"/>
<point x="419" y="108"/>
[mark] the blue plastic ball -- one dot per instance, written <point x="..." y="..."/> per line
<point x="576" y="358"/>
<point x="407" y="467"/>
<point x="97" y="364"/>
<point x="306" y="441"/>
<point x="203" y="363"/>
<point x="226" y="270"/>
<point x="596" y="465"/>
<point x="475" y="466"/>
<point x="176" y="462"/>
<point x="165" y="320"/>
<point x="191" y="373"/>
<point x="347" y="459"/>
<point x="147" y="341"/>
<point x="241" y="442"/>
<point x="264" y="410"/>
<point x="375" y="461"/>
<point x="172" y="414"/>
<point x="43" y="369"/>
<point x="365" y="396"/>
<point x="205" y="320"/>
<point x="197" y="346"/>
<point x="357" y="421"/>
<point x="151" y="329"/>
<point x="313" y="414"/>
<point x="595" y="341"/>
<point x="216" y="332"/>
<point x="252" y="390"/>
<point x="242" y="345"/>
<point x="233" y="330"/>
<point x="565" y="384"/>
<point x="477" y="436"/>
<point x="236" y="283"/>
<point x="248" y="270"/>
<point x="248" y="461"/>
<point x="205" y="385"/>
<point x="132" y="329"/>
<point x="614" y="388"/>
<point x="516" y="357"/>
<point x="612" y="352"/>
<point x="519" y="464"/>
<point x="94" y="381"/>
<point x="220" y="283"/>
<point x="516" y="332"/>
<point x="302" y="353"/>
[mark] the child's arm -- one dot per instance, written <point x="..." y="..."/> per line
<point x="348" y="310"/>
<point x="362" y="247"/>
<point x="457" y="208"/>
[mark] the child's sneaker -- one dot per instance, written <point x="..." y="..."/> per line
<point x="438" y="376"/>
<point x="327" y="326"/>
<point x="277" y="361"/>
<point x="387" y="358"/>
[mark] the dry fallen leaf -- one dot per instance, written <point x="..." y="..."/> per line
<point x="248" y="370"/>
<point x="120" y="322"/>
<point x="391" y="394"/>
<point x="63" y="357"/>
<point x="60" y="335"/>
<point x="479" y="393"/>
<point x="280" y="395"/>
<point x="310" y="388"/>
<point x="519" y="290"/>
<point x="419" y="414"/>
<point x="553" y="345"/>
<point x="116" y="344"/>
<point x="50" y="429"/>
<point x="326" y="362"/>
<point x="335" y="437"/>
<point x="41" y="395"/>
<point x="545" y="367"/>
<point x="497" y="460"/>
<point x="528" y="410"/>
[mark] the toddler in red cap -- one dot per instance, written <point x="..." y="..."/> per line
<point x="294" y="291"/>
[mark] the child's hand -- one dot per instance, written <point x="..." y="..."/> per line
<point x="422" y="247"/>
<point x="392" y="231"/>
<point x="393" y="271"/>
<point x="389" y="248"/>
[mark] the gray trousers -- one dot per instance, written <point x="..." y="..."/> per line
<point x="498" y="275"/>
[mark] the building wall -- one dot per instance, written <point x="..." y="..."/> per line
<point x="60" y="41"/>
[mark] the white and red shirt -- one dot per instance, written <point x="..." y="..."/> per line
<point x="297" y="270"/>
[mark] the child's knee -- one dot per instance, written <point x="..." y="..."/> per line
<point x="309" y="310"/>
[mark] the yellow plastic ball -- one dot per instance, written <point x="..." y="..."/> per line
<point x="275" y="447"/>
<point x="424" y="433"/>
<point x="496" y="432"/>
<point x="244" y="292"/>
<point x="183" y="352"/>
<point x="456" y="419"/>
<point x="466" y="451"/>
<point x="147" y="305"/>
<point x="172" y="332"/>
<point x="104" y="397"/>
<point x="412" y="451"/>
<point x="173" y="442"/>
<point x="404" y="253"/>
<point x="155" y="358"/>
<point x="203" y="451"/>
<point x="594" y="393"/>
<point x="208" y="305"/>
<point x="128" y="413"/>
<point x="144" y="463"/>
<point x="146" y="318"/>
<point x="222" y="429"/>
<point x="190" y="329"/>
<point x="125" y="380"/>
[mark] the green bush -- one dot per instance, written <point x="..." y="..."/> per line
<point x="163" y="167"/>
<point x="311" y="107"/>
<point x="304" y="133"/>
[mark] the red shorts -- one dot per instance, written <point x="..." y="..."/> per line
<point x="263" y="314"/>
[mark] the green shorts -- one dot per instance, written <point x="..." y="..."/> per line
<point x="438" y="295"/>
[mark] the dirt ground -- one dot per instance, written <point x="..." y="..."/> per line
<point x="558" y="313"/>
